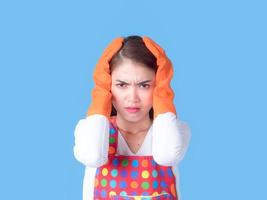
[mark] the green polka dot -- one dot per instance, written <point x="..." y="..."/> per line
<point x="104" y="182"/>
<point x="124" y="163"/>
<point x="145" y="185"/>
<point x="111" y="140"/>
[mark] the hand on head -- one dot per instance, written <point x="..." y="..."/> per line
<point x="163" y="94"/>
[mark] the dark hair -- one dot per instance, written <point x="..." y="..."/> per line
<point x="134" y="48"/>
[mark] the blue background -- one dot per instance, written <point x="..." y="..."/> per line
<point x="48" y="51"/>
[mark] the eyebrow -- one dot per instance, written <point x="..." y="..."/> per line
<point x="142" y="82"/>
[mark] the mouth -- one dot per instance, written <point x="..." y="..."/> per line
<point x="132" y="109"/>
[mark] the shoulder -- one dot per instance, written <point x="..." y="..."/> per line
<point x="91" y="123"/>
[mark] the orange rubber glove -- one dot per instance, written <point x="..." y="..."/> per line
<point x="101" y="94"/>
<point x="163" y="94"/>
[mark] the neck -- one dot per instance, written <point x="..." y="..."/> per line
<point x="133" y="127"/>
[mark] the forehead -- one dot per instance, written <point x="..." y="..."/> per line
<point x="129" y="70"/>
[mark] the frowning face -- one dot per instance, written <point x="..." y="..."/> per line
<point x="132" y="90"/>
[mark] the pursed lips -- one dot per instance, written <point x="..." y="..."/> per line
<point x="132" y="109"/>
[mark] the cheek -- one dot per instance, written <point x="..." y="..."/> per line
<point x="115" y="95"/>
<point x="148" y="97"/>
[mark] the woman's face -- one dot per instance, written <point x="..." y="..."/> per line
<point x="132" y="90"/>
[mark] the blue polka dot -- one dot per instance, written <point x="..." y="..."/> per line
<point x="154" y="173"/>
<point x="153" y="163"/>
<point x="123" y="184"/>
<point x="115" y="162"/>
<point x="112" y="131"/>
<point x="112" y="183"/>
<point x="155" y="184"/>
<point x="103" y="193"/>
<point x="134" y="193"/>
<point x="114" y="172"/>
<point x="123" y="173"/>
<point x="170" y="172"/>
<point x="135" y="163"/>
<point x="97" y="171"/>
<point x="145" y="193"/>
<point x="123" y="193"/>
<point x="96" y="193"/>
<point x="161" y="172"/>
<point x="134" y="174"/>
<point x="163" y="184"/>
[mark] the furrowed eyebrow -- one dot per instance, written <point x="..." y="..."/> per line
<point x="142" y="82"/>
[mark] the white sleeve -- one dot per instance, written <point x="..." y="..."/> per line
<point x="91" y="140"/>
<point x="170" y="139"/>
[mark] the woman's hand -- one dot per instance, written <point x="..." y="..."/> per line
<point x="163" y="94"/>
<point x="101" y="95"/>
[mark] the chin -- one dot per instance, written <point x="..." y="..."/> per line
<point x="132" y="118"/>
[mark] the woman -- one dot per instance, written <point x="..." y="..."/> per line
<point x="132" y="141"/>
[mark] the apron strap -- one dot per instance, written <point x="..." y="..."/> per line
<point x="113" y="136"/>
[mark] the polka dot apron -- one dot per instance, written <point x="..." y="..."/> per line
<point x="132" y="177"/>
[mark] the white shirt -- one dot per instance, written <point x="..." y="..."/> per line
<point x="167" y="141"/>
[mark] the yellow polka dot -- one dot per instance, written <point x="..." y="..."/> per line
<point x="145" y="174"/>
<point x="134" y="184"/>
<point x="96" y="182"/>
<point x="155" y="194"/>
<point x="104" y="171"/>
<point x="138" y="198"/>
<point x="112" y="193"/>
<point x="111" y="150"/>
<point x="144" y="163"/>
<point x="173" y="190"/>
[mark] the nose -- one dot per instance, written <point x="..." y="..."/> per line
<point x="133" y="96"/>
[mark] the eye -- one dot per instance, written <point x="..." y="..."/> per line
<point x="145" y="86"/>
<point x="121" y="85"/>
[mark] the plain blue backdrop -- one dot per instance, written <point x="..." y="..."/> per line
<point x="48" y="50"/>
